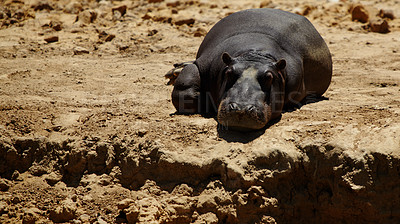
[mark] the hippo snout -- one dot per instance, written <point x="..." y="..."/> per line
<point x="243" y="117"/>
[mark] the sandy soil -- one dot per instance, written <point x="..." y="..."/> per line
<point x="88" y="132"/>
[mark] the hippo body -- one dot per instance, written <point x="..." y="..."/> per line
<point x="250" y="65"/>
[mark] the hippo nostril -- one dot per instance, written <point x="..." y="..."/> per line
<point x="233" y="106"/>
<point x="251" y="108"/>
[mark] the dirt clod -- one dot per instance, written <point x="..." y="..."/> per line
<point x="121" y="9"/>
<point x="64" y="212"/>
<point x="386" y="14"/>
<point x="4" y="184"/>
<point x="51" y="39"/>
<point x="80" y="51"/>
<point x="379" y="26"/>
<point x="359" y="13"/>
<point x="87" y="16"/>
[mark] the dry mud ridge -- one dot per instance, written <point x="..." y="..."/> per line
<point x="88" y="133"/>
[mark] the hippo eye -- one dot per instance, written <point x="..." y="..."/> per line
<point x="265" y="79"/>
<point x="231" y="78"/>
<point x="231" y="74"/>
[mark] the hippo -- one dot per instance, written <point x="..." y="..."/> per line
<point x="251" y="65"/>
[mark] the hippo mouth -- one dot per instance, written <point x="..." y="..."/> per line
<point x="243" y="117"/>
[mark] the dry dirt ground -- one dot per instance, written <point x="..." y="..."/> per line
<point x="88" y="132"/>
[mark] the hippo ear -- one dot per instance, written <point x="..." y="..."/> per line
<point x="281" y="64"/>
<point x="226" y="58"/>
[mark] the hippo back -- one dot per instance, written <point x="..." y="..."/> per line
<point x="293" y="33"/>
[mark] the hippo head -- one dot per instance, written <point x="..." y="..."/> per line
<point x="253" y="85"/>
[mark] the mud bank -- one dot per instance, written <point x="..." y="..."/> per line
<point x="309" y="182"/>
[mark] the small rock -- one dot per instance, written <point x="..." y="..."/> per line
<point x="31" y="215"/>
<point x="122" y="46"/>
<point x="85" y="218"/>
<point x="181" y="22"/>
<point x="386" y="13"/>
<point x="173" y="4"/>
<point x="125" y="203"/>
<point x="88" y="198"/>
<point x="105" y="180"/>
<point x="121" y="9"/>
<point x="152" y="32"/>
<point x="109" y="37"/>
<point x="200" y="32"/>
<point x="64" y="212"/>
<point x="116" y="15"/>
<point x="87" y="16"/>
<point x="379" y="26"/>
<point x="4" y="185"/>
<point x="41" y="5"/>
<point x="359" y="13"/>
<point x="56" y="25"/>
<point x="206" y="202"/>
<point x="15" y="200"/>
<point x="265" y="4"/>
<point x="267" y="219"/>
<point x="51" y="39"/>
<point x="52" y="178"/>
<point x="80" y="51"/>
<point x="38" y="170"/>
<point x="73" y="7"/>
<point x="16" y="176"/>
<point x="147" y="16"/>
<point x="19" y="14"/>
<point x="182" y="189"/>
<point x="142" y="132"/>
<point x="207" y="218"/>
<point x="302" y="10"/>
<point x="3" y="207"/>
<point x="100" y="220"/>
<point x="132" y="214"/>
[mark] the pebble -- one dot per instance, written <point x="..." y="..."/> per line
<point x="132" y="214"/>
<point x="38" y="170"/>
<point x="51" y="39"/>
<point x="100" y="220"/>
<point x="65" y="212"/>
<point x="73" y="7"/>
<point x="41" y="5"/>
<point x="265" y="4"/>
<point x="56" y="25"/>
<point x="3" y="207"/>
<point x="84" y="218"/>
<point x="379" y="26"/>
<point x="109" y="37"/>
<point x="80" y="51"/>
<point x="125" y="203"/>
<point x="200" y="32"/>
<point x="359" y="13"/>
<point x="31" y="215"/>
<point x="181" y="22"/>
<point x="87" y="16"/>
<point x="147" y="16"/>
<point x="52" y="178"/>
<point x="121" y="9"/>
<point x="4" y="185"/>
<point x="386" y="13"/>
<point x="16" y="176"/>
<point x="173" y="4"/>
